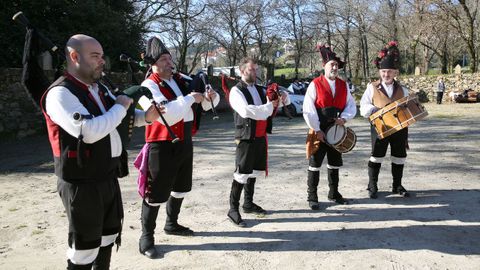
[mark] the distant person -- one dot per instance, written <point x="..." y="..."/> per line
<point x="295" y="87"/>
<point x="440" y="90"/>
<point x="351" y="86"/>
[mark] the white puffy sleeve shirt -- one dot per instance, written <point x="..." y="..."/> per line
<point x="177" y="109"/>
<point x="310" y="112"/>
<point x="366" y="103"/>
<point x="61" y="104"/>
<point x="258" y="111"/>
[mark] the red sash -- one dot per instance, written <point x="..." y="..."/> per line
<point x="157" y="131"/>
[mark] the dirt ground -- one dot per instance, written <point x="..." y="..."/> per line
<point x="437" y="228"/>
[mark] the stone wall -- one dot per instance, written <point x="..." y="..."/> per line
<point x="453" y="82"/>
<point x="20" y="117"/>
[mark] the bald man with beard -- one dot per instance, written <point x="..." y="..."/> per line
<point x="86" y="152"/>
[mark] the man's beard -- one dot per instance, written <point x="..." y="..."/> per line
<point x="250" y="79"/>
<point x="87" y="72"/>
<point x="332" y="74"/>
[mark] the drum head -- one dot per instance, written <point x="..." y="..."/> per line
<point x="335" y="134"/>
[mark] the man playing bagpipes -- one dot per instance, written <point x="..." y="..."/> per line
<point x="169" y="163"/>
<point x="377" y="96"/>
<point x="82" y="118"/>
<point x="252" y="111"/>
<point x="326" y="102"/>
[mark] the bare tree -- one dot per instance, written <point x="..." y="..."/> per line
<point x="179" y="27"/>
<point x="292" y="13"/>
<point x="263" y="33"/>
<point x="463" y="17"/>
<point x="229" y="26"/>
<point x="149" y="12"/>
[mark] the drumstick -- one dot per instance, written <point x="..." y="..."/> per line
<point x="335" y="133"/>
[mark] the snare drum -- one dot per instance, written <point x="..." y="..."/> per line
<point x="397" y="116"/>
<point x="342" y="138"/>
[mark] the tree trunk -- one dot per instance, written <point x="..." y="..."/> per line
<point x="444" y="57"/>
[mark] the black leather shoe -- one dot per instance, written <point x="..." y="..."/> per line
<point x="151" y="253"/>
<point x="401" y="191"/>
<point x="338" y="198"/>
<point x="178" y="230"/>
<point x="314" y="205"/>
<point x="236" y="219"/>
<point x="372" y="193"/>
<point x="253" y="208"/>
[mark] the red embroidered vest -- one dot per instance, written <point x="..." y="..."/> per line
<point x="324" y="93"/>
<point x="157" y="131"/>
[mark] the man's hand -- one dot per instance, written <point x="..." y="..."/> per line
<point x="197" y="96"/>
<point x="210" y="94"/>
<point x="320" y="135"/>
<point x="151" y="114"/>
<point x="124" y="101"/>
<point x="284" y="97"/>
<point x="340" y="121"/>
<point x="275" y="102"/>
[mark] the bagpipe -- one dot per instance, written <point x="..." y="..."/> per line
<point x="36" y="83"/>
<point x="199" y="83"/>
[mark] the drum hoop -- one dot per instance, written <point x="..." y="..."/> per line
<point x="343" y="151"/>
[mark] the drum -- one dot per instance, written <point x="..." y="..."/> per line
<point x="397" y="116"/>
<point x="342" y="138"/>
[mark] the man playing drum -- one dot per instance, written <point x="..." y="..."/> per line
<point x="379" y="94"/>
<point x="327" y="102"/>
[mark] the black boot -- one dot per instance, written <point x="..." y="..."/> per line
<point x="397" y="174"/>
<point x="312" y="182"/>
<point x="171" y="225"/>
<point x="71" y="266"/>
<point x="373" y="171"/>
<point x="147" y="241"/>
<point x="333" y="194"/>
<point x="248" y="205"/>
<point x="234" y="213"/>
<point x="102" y="262"/>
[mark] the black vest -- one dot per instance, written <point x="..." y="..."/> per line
<point x="245" y="127"/>
<point x="98" y="164"/>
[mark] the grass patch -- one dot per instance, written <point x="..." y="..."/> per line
<point x="21" y="226"/>
<point x="13" y="209"/>
<point x="290" y="72"/>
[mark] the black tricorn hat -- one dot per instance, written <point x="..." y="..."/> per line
<point x="328" y="55"/>
<point x="388" y="57"/>
<point x="155" y="49"/>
